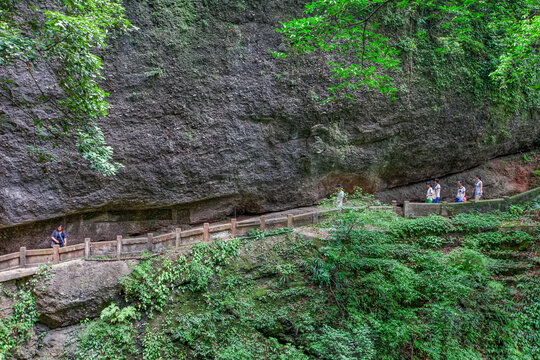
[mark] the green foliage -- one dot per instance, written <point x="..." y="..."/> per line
<point x="430" y="225"/>
<point x="526" y="322"/>
<point x="151" y="286"/>
<point x="474" y="222"/>
<point x="110" y="337"/>
<point x="17" y="327"/>
<point x="157" y="345"/>
<point x="148" y="285"/>
<point x="332" y="344"/>
<point x="510" y="240"/>
<point x="63" y="36"/>
<point x="371" y="43"/>
<point x="372" y="289"/>
<point x="431" y="241"/>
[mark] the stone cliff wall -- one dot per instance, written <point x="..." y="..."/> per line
<point x="207" y="123"/>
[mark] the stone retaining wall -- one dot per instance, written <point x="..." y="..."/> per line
<point x="414" y="210"/>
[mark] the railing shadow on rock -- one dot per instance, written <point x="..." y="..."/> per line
<point x="28" y="261"/>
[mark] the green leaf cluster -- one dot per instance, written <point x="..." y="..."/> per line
<point x="485" y="48"/>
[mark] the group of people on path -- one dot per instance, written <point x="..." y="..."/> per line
<point x="58" y="236"/>
<point x="433" y="194"/>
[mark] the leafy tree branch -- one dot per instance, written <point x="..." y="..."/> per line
<point x="364" y="41"/>
<point x="64" y="38"/>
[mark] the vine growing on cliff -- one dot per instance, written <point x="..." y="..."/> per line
<point x="61" y="36"/>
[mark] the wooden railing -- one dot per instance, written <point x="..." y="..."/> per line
<point x="126" y="247"/>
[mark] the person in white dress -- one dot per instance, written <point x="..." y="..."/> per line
<point x="460" y="197"/>
<point x="478" y="188"/>
<point x="430" y="195"/>
<point x="340" y="196"/>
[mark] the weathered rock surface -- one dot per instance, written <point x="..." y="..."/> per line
<point x="78" y="290"/>
<point x="207" y="123"/>
<point x="503" y="176"/>
<point x="49" y="344"/>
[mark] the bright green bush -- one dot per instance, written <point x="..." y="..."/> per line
<point x="412" y="228"/>
<point x="16" y="329"/>
<point x="330" y="344"/>
<point x="475" y="222"/>
<point x="110" y="337"/>
<point x="515" y="240"/>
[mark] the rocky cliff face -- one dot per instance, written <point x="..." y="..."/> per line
<point x="207" y="123"/>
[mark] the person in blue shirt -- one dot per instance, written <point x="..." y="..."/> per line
<point x="437" y="189"/>
<point x="58" y="237"/>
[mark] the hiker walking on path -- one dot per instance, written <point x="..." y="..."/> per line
<point x="58" y="237"/>
<point x="437" y="190"/>
<point x="478" y="188"/>
<point x="460" y="197"/>
<point x="430" y="195"/>
<point x="340" y="196"/>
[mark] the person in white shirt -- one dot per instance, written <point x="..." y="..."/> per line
<point x="478" y="188"/>
<point x="460" y="197"/>
<point x="437" y="189"/>
<point x="340" y="196"/>
<point x="430" y="195"/>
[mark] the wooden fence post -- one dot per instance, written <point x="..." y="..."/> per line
<point x="406" y="210"/>
<point x="87" y="248"/>
<point x="118" y="246"/>
<point x="206" y="232"/>
<point x="150" y="242"/>
<point x="178" y="240"/>
<point x="22" y="257"/>
<point x="263" y="223"/>
<point x="394" y="206"/>
<point x="289" y="220"/>
<point x="233" y="228"/>
<point x="56" y="254"/>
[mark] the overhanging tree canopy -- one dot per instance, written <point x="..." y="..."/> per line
<point x="366" y="39"/>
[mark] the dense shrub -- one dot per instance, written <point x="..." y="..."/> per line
<point x="515" y="240"/>
<point x="412" y="228"/>
<point x="330" y="344"/>
<point x="112" y="336"/>
<point x="382" y="291"/>
<point x="475" y="222"/>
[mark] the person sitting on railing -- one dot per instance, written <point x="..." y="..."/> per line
<point x="58" y="237"/>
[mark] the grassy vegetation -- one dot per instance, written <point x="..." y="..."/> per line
<point x="379" y="287"/>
